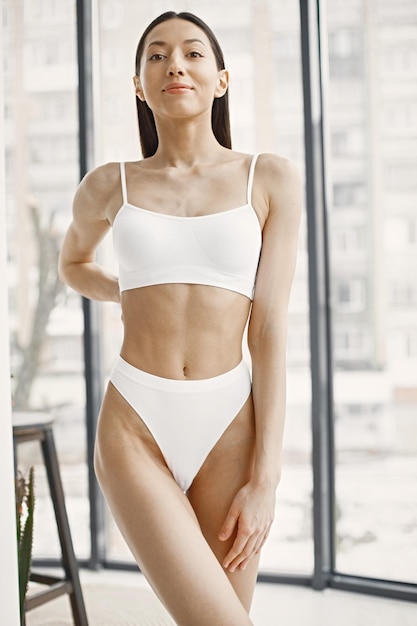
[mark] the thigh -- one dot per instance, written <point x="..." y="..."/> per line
<point x="228" y="467"/>
<point x="159" y="524"/>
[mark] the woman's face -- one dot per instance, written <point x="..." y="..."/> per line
<point x="178" y="72"/>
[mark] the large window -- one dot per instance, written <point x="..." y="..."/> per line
<point x="41" y="148"/>
<point x="371" y="127"/>
<point x="374" y="293"/>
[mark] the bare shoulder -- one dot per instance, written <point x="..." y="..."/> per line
<point x="276" y="163"/>
<point x="277" y="186"/>
<point x="99" y="192"/>
<point x="278" y="175"/>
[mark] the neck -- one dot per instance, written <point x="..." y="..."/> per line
<point x="186" y="143"/>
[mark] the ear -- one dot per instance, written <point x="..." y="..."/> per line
<point x="222" y="83"/>
<point x="138" y="88"/>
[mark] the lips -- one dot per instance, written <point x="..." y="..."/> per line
<point x="176" y="88"/>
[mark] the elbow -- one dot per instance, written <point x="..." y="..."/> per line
<point x="269" y="338"/>
<point x="256" y="338"/>
<point x="62" y="270"/>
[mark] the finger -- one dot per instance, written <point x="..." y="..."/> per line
<point x="255" y="551"/>
<point x="245" y="552"/>
<point x="265" y="537"/>
<point x="236" y="549"/>
<point x="229" y="525"/>
<point x="244" y="563"/>
<point x="260" y="542"/>
<point x="252" y="548"/>
<point x="262" y="539"/>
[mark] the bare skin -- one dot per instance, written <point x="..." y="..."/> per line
<point x="200" y="550"/>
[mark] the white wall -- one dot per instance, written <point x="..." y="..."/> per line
<point x="9" y="602"/>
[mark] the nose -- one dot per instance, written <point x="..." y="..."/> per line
<point x="175" y="68"/>
<point x="176" y="71"/>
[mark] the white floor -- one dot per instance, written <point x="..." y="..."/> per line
<point x="125" y="599"/>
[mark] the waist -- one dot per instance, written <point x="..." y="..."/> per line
<point x="182" y="360"/>
<point x="223" y="379"/>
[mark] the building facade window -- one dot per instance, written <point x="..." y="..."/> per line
<point x="350" y="295"/>
<point x="349" y="194"/>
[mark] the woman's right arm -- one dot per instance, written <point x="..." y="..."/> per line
<point x="90" y="223"/>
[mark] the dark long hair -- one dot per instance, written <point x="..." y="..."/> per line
<point x="220" y="121"/>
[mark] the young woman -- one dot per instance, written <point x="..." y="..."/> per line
<point x="188" y="444"/>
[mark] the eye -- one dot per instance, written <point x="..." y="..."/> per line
<point x="157" y="56"/>
<point x="194" y="54"/>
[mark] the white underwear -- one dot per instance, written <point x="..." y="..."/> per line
<point x="185" y="417"/>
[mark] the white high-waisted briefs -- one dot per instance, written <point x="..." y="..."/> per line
<point x="185" y="417"/>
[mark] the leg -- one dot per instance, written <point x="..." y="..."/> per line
<point x="158" y="522"/>
<point x="227" y="468"/>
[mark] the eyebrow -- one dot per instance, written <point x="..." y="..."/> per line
<point x="163" y="43"/>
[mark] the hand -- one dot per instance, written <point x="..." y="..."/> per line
<point x="251" y="514"/>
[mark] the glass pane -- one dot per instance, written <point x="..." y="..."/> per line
<point x="41" y="146"/>
<point x="373" y="138"/>
<point x="261" y="42"/>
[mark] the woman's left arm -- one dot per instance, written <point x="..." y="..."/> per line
<point x="252" y="510"/>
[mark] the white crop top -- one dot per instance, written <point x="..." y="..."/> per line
<point x="219" y="249"/>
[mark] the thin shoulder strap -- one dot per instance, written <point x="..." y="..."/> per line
<point x="250" y="178"/>
<point x="123" y="182"/>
